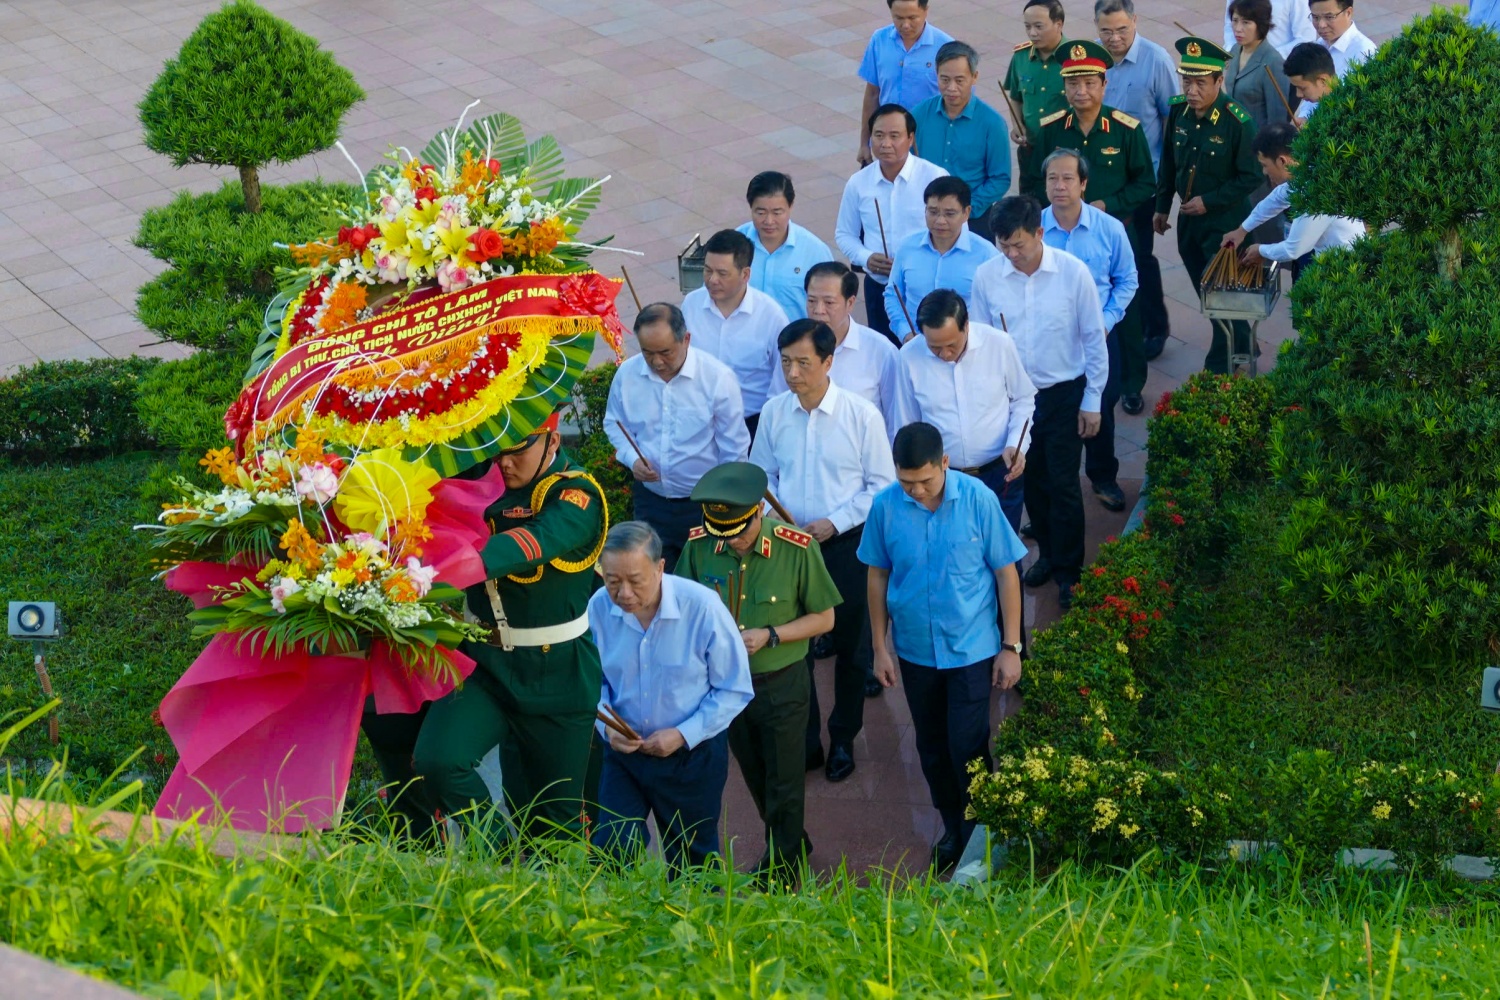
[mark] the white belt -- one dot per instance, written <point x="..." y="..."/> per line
<point x="508" y="638"/>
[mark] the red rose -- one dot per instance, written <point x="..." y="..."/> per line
<point x="486" y="244"/>
<point x="344" y="234"/>
<point x="361" y="237"/>
<point x="494" y="166"/>
<point x="428" y="193"/>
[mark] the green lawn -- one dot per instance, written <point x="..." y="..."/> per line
<point x="1251" y="678"/>
<point x="66" y="537"/>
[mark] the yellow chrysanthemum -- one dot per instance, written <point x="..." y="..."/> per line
<point x="381" y="488"/>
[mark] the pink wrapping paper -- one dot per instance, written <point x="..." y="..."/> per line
<point x="266" y="743"/>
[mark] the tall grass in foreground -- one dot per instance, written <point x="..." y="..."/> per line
<point x="354" y="917"/>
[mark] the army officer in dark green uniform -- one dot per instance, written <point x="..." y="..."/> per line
<point x="1121" y="178"/>
<point x="537" y="683"/>
<point x="774" y="582"/>
<point x="1033" y="80"/>
<point x="1206" y="159"/>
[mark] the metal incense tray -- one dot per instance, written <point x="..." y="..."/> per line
<point x="1250" y="306"/>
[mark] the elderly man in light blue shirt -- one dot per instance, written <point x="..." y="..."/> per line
<point x="899" y="65"/>
<point x="1070" y="223"/>
<point x="941" y="558"/>
<point x="1141" y="83"/>
<point x="784" y="251"/>
<point x="675" y="675"/>
<point x="945" y="256"/>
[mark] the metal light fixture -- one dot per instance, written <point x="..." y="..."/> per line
<point x="38" y="623"/>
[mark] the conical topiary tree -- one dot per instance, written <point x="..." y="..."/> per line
<point x="1390" y="442"/>
<point x="247" y="89"/>
<point x="1408" y="136"/>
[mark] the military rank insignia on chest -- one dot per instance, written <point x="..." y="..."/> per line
<point x="1216" y="139"/>
<point x="577" y="498"/>
<point x="516" y="512"/>
<point x="1110" y="151"/>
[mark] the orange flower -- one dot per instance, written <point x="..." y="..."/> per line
<point x="307" y="254"/>
<point x="309" y="448"/>
<point x="348" y="560"/>
<point x="541" y="239"/>
<point x="343" y="306"/>
<point x="411" y="532"/>
<point x="400" y="589"/>
<point x="302" y="547"/>
<point x="180" y="516"/>
<point x="473" y="176"/>
<point x="220" y="462"/>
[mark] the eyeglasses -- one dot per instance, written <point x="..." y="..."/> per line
<point x="1115" y="32"/>
<point x="1330" y="18"/>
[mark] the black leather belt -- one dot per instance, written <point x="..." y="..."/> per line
<point x="980" y="470"/>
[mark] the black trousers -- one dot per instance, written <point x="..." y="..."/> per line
<point x="765" y="740"/>
<point x="1153" y="303"/>
<point x="1099" y="460"/>
<point x="981" y="224"/>
<point x="685" y="792"/>
<point x="672" y="517"/>
<point x="852" y="651"/>
<point x="950" y="718"/>
<point x="1053" y="496"/>
<point x="875" y="315"/>
<point x="1012" y="495"/>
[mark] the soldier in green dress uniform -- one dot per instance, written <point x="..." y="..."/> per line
<point x="774" y="582"/>
<point x="536" y="686"/>
<point x="1033" y="81"/>
<point x="1121" y="179"/>
<point x="1206" y="159"/>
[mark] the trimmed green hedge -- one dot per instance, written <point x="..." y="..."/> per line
<point x="56" y="410"/>
<point x="1117" y="753"/>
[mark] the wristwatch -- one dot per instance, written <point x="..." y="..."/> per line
<point x="1014" y="647"/>
<point x="774" y="640"/>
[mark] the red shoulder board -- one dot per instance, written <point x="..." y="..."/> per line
<point x="792" y="535"/>
<point x="1023" y="45"/>
<point x="697" y="532"/>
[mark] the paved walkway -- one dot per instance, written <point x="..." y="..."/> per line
<point x="681" y="102"/>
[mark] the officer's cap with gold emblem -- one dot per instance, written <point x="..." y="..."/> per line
<point x="1083" y="58"/>
<point x="730" y="494"/>
<point x="1200" y="57"/>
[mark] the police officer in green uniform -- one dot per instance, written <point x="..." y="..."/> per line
<point x="1121" y="180"/>
<point x="536" y="685"/>
<point x="774" y="582"/>
<point x="1034" y="78"/>
<point x="1206" y="160"/>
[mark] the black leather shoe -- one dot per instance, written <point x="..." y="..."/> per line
<point x="1132" y="403"/>
<point x="946" y="852"/>
<point x="1039" y="573"/>
<point x="1065" y="593"/>
<point x="1026" y="531"/>
<point x="1154" y="346"/>
<point x="840" y="763"/>
<point x="873" y="688"/>
<point x="1110" y="496"/>
<point x="814" y="759"/>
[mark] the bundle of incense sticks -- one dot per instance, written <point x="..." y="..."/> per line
<point x="609" y="717"/>
<point x="1226" y="273"/>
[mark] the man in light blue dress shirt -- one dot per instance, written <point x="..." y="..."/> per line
<point x="964" y="135"/>
<point x="945" y="256"/>
<point x="1141" y="83"/>
<point x="942" y="563"/>
<point x="1099" y="240"/>
<point x="784" y="251"/>
<point x="676" y="672"/>
<point x="899" y="65"/>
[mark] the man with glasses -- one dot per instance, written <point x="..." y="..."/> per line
<point x="945" y="256"/>
<point x="536" y="685"/>
<point x="1333" y="20"/>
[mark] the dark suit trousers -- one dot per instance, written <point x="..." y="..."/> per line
<point x="851" y="646"/>
<point x="950" y="718"/>
<point x="1153" y="304"/>
<point x="1053" y="496"/>
<point x="685" y="792"/>
<point x="672" y="518"/>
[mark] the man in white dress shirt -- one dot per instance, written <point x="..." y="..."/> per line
<point x="864" y="362"/>
<point x="1046" y="299"/>
<point x="734" y="322"/>
<point x="966" y="379"/>
<point x="826" y="455"/>
<point x="896" y="182"/>
<point x="1308" y="234"/>
<point x="682" y="407"/>
<point x="1334" y="22"/>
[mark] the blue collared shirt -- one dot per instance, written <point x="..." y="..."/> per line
<point x="942" y="563"/>
<point x="974" y="146"/>
<point x="919" y="269"/>
<point x="781" y="274"/>
<point x="1142" y="85"/>
<point x="904" y="76"/>
<point x="1100" y="241"/>
<point x="687" y="671"/>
